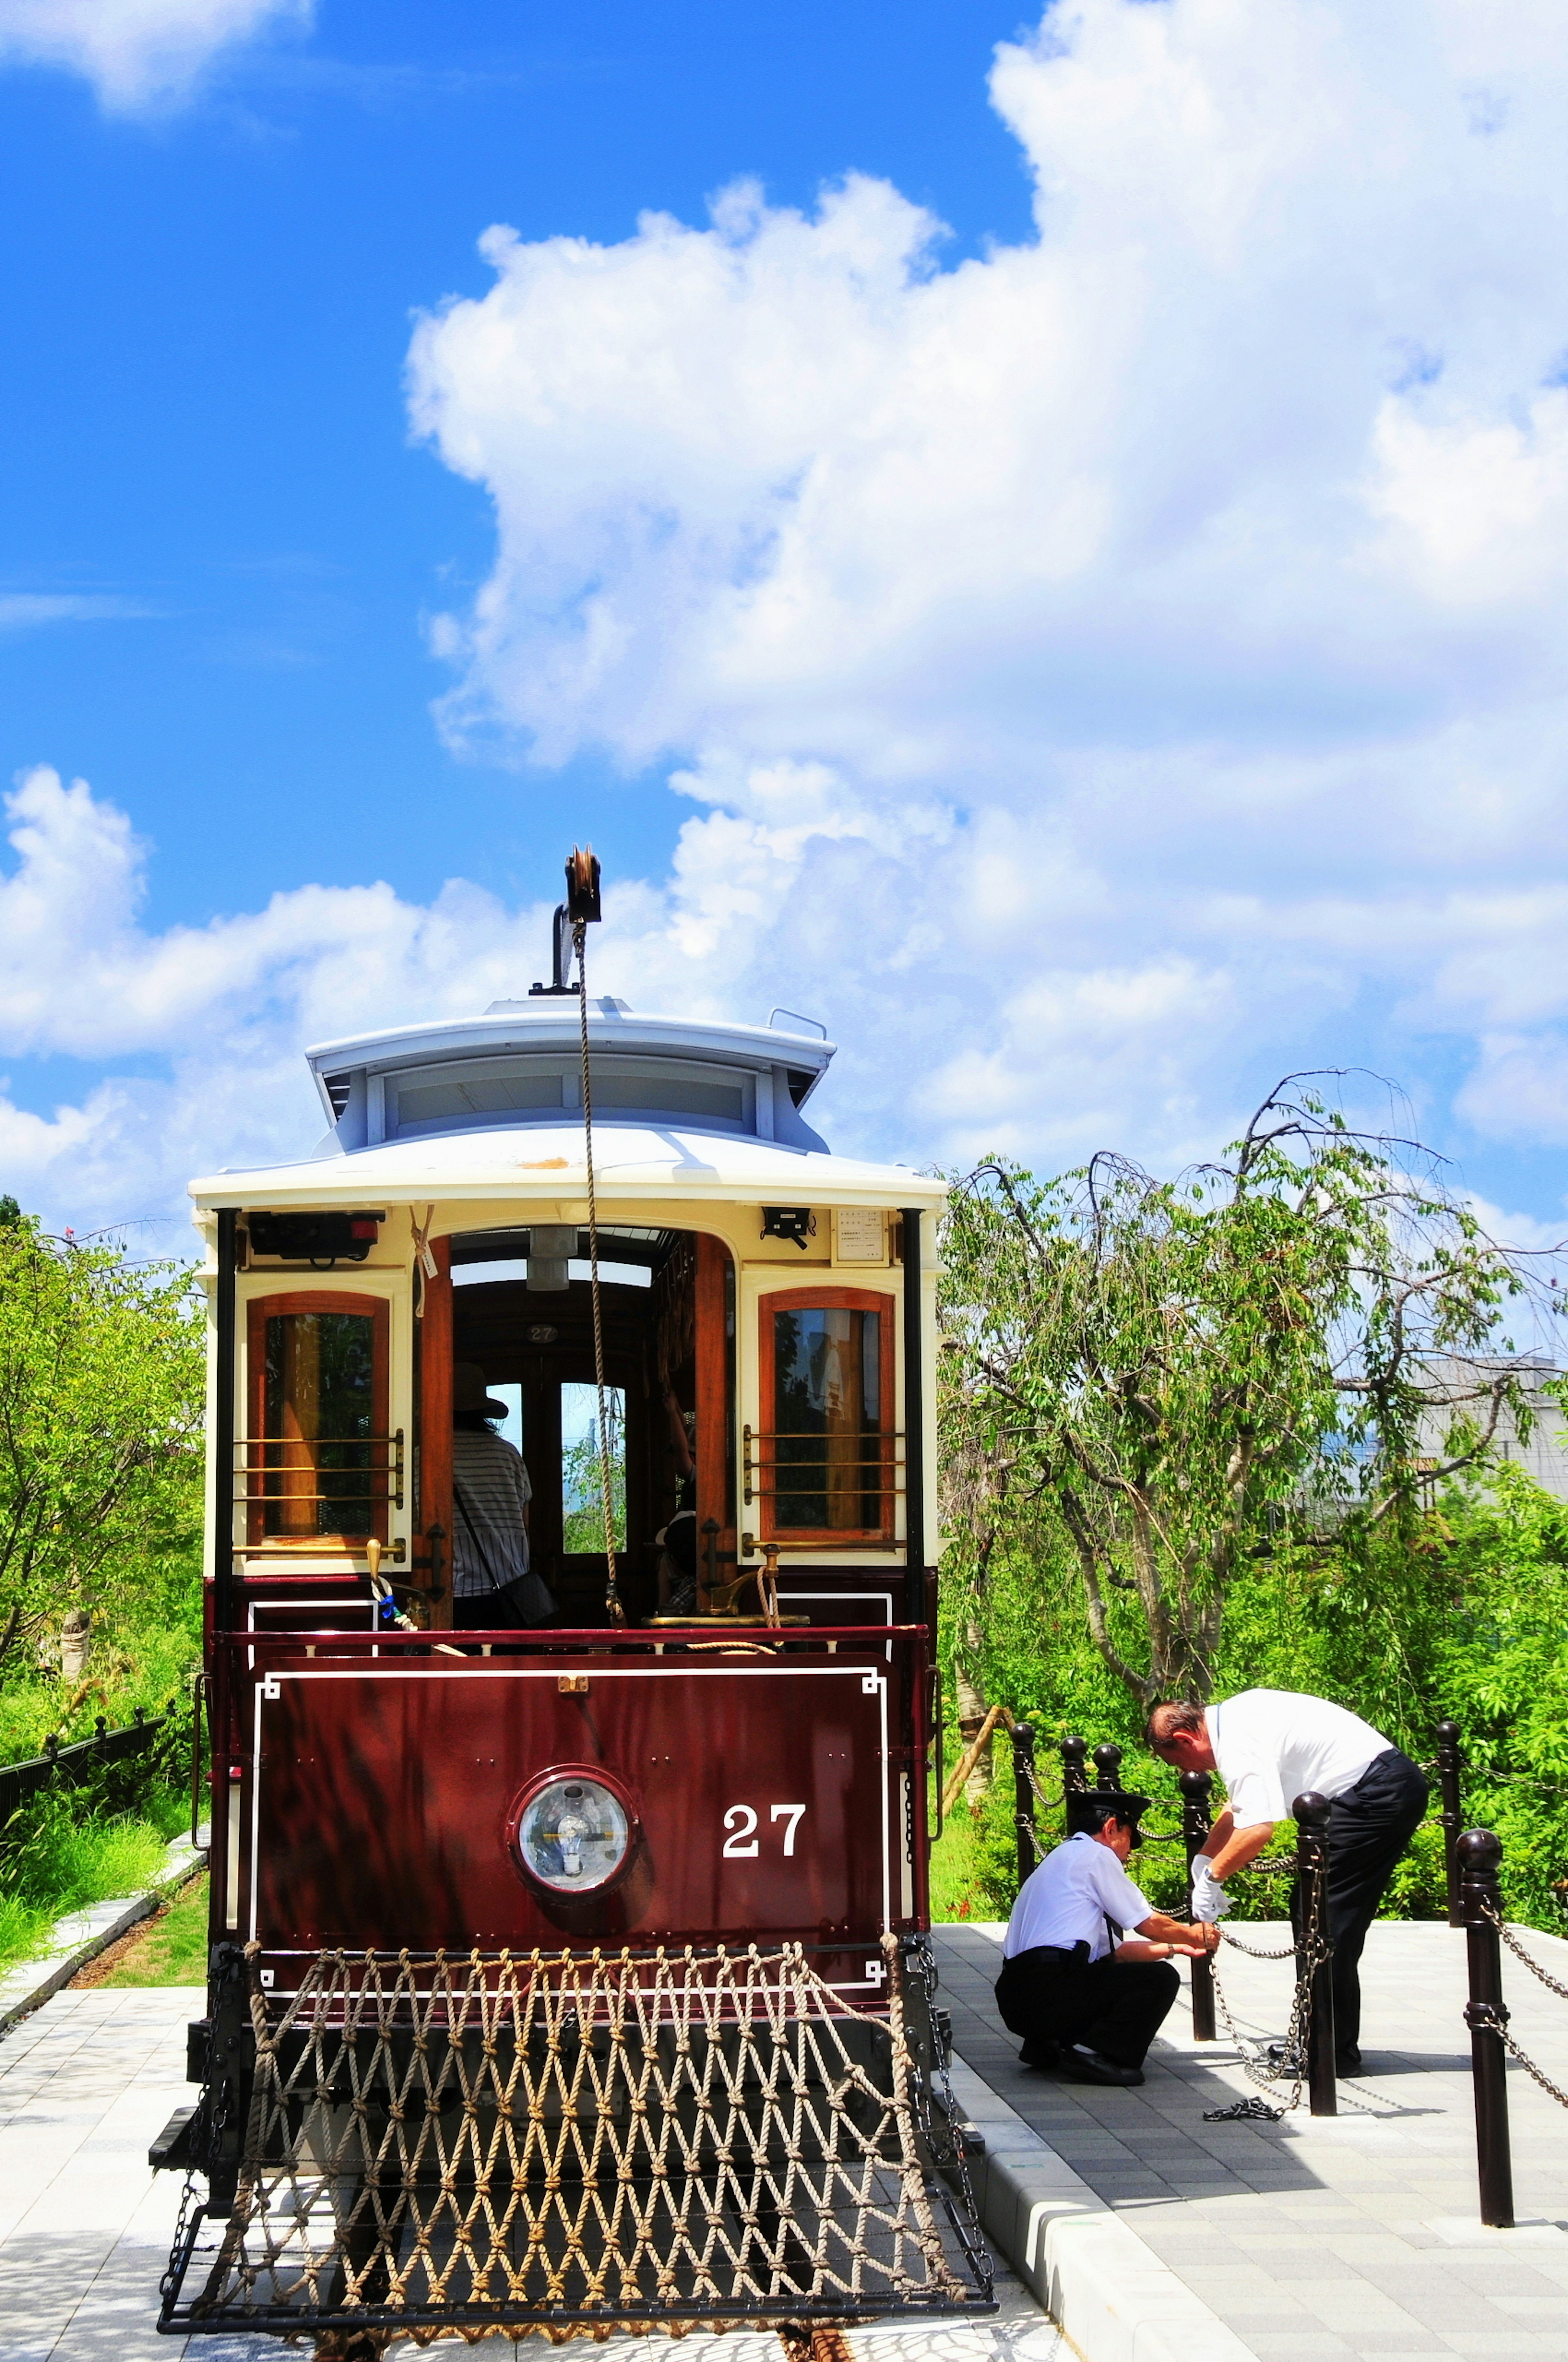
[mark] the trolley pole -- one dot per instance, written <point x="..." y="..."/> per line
<point x="1195" y="1787"/>
<point x="1312" y="1814"/>
<point x="1108" y="1765"/>
<point x="1486" y="2012"/>
<point x="1073" y="1751"/>
<point x="1447" y="1735"/>
<point x="1024" y="1798"/>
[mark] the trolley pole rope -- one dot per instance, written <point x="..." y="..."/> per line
<point x="612" y="1589"/>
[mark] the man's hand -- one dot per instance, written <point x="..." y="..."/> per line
<point x="1173" y="1941"/>
<point x="1209" y="1900"/>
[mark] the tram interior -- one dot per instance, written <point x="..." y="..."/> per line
<point x="522" y="1313"/>
<point x="822" y="1469"/>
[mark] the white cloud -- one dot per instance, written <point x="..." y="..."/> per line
<point x="1103" y="671"/>
<point x="1201" y="558"/>
<point x="137" y="53"/>
<point x="26" y="611"/>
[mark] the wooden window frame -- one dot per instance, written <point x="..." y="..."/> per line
<point x="259" y="1311"/>
<point x="884" y="1302"/>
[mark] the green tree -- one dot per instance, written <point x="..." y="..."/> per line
<point x="1172" y="1378"/>
<point x="101" y="1379"/>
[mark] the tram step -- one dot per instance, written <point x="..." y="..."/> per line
<point x="172" y="2148"/>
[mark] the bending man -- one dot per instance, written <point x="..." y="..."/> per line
<point x="1085" y="1995"/>
<point x="1270" y="1747"/>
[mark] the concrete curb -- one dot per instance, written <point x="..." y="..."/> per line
<point x="1109" y="2294"/>
<point x="82" y="1935"/>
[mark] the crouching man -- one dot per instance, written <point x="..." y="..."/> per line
<point x="1086" y="1996"/>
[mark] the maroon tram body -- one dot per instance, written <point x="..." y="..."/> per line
<point x="373" y="1791"/>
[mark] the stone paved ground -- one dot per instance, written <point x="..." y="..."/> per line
<point x="87" y="2082"/>
<point x="1355" y="2235"/>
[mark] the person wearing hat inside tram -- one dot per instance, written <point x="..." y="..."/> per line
<point x="1087" y="1995"/>
<point x="492" y="1584"/>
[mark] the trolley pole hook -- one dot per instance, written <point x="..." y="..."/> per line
<point x="582" y="912"/>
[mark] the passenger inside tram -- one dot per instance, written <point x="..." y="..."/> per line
<point x="522" y="1313"/>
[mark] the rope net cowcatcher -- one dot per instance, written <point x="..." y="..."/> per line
<point x="583" y="2144"/>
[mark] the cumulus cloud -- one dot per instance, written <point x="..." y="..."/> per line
<point x="137" y="53"/>
<point x="1102" y="670"/>
<point x="1147" y="638"/>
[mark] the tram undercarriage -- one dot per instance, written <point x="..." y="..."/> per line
<point x="571" y="2145"/>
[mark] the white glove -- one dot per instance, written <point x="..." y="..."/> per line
<point x="1209" y="1897"/>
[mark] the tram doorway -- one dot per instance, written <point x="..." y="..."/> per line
<point x="520" y="1308"/>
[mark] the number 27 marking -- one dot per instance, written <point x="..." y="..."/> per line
<point x="742" y="1821"/>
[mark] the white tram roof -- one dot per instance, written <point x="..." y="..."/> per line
<point x="490" y="1107"/>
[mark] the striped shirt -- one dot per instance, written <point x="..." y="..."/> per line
<point x="489" y="1545"/>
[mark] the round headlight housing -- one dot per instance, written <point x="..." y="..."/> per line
<point x="573" y="1833"/>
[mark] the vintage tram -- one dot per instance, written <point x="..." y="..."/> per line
<point x="571" y="1976"/>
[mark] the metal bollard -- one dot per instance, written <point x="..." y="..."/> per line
<point x="1073" y="1751"/>
<point x="1481" y="1894"/>
<point x="1024" y="1798"/>
<point x="1448" y="1763"/>
<point x="1108" y="1765"/>
<point x="1196" y="1788"/>
<point x="1312" y="1816"/>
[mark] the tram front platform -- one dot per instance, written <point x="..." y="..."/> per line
<point x="1355" y="2235"/>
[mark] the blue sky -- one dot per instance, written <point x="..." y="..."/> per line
<point x="1043" y="540"/>
<point x="207" y="314"/>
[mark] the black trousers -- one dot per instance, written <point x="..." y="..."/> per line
<point x="1115" y="2006"/>
<point x="1369" y="1827"/>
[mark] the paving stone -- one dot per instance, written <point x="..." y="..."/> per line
<point x="85" y="2227"/>
<point x="1342" y="2209"/>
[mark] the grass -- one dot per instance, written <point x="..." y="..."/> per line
<point x="169" y="1948"/>
<point x="956" y="1890"/>
<point x="63" y="1864"/>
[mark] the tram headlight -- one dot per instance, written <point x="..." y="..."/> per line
<point x="574" y="1833"/>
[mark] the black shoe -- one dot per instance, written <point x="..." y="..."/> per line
<point x="1040" y="2054"/>
<point x="1086" y="2066"/>
<point x="1288" y="2061"/>
<point x="1347" y="2062"/>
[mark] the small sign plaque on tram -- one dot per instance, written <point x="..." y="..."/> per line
<point x="859" y="1234"/>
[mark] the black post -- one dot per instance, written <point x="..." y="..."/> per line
<point x="223" y="1429"/>
<point x="1024" y="1798"/>
<point x="1073" y="1777"/>
<point x="1108" y="1765"/>
<point x="1312" y="1814"/>
<point x="1481" y="1902"/>
<point x="1448" y="1761"/>
<point x="1195" y="1827"/>
<point x="914" y="1421"/>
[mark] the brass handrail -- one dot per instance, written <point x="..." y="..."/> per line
<point x="883" y="1464"/>
<point x="390" y="1469"/>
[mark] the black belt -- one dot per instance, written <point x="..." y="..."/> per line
<point x="1049" y="1952"/>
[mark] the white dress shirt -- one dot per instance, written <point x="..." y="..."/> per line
<point x="1272" y="1746"/>
<point x="1067" y="1900"/>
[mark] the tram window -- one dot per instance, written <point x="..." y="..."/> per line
<point x="509" y="1428"/>
<point x="672" y="1095"/>
<point x="473" y="1098"/>
<point x="824" y="1463"/>
<point x="582" y="1488"/>
<point x="317" y="1459"/>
